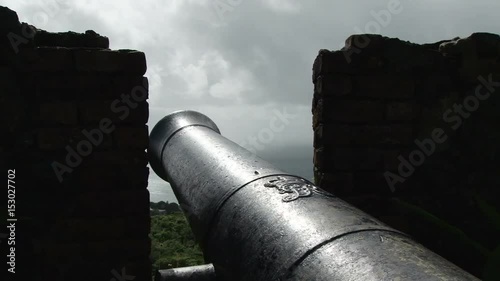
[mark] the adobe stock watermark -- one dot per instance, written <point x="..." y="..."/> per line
<point x="222" y="7"/>
<point x="453" y="116"/>
<point x="48" y="10"/>
<point x="95" y="137"/>
<point x="381" y="19"/>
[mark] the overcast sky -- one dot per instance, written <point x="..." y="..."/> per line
<point x="242" y="61"/>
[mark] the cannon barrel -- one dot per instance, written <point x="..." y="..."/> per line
<point x="255" y="222"/>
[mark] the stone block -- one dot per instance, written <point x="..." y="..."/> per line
<point x="7" y="81"/>
<point x="332" y="62"/>
<point x="338" y="183"/>
<point x="131" y="62"/>
<point x="110" y="203"/>
<point x="332" y="134"/>
<point x="348" y="159"/>
<point x="94" y="174"/>
<point x="383" y="134"/>
<point x="402" y="111"/>
<point x="77" y="139"/>
<point x="334" y="85"/>
<point x="348" y="111"/>
<point x="78" y="268"/>
<point x="99" y="250"/>
<point x="121" y="157"/>
<point x="391" y="161"/>
<point x="371" y="183"/>
<point x="8" y="19"/>
<point x="45" y="60"/>
<point x="131" y="137"/>
<point x="385" y="86"/>
<point x="55" y="113"/>
<point x="98" y="229"/>
<point x="89" y="39"/>
<point x="137" y="87"/>
<point x="367" y="42"/>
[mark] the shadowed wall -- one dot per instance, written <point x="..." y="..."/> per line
<point x="73" y="128"/>
<point x="409" y="133"/>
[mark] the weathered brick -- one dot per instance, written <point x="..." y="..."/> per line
<point x="128" y="85"/>
<point x="131" y="137"/>
<point x="98" y="229"/>
<point x="351" y="111"/>
<point x="319" y="158"/>
<point x="14" y="109"/>
<point x="366" y="42"/>
<point x="106" y="175"/>
<point x="371" y="183"/>
<point x="384" y="86"/>
<point x="386" y="134"/>
<point x="356" y="159"/>
<point x="53" y="138"/>
<point x="76" y="268"/>
<point x="402" y="111"/>
<point x="72" y="81"/>
<point x="110" y="249"/>
<point x="59" y="113"/>
<point x="123" y="61"/>
<point x="111" y="203"/>
<point x="330" y="134"/>
<point x="8" y="19"/>
<point x="435" y="85"/>
<point x="472" y="67"/>
<point x="391" y="161"/>
<point x="344" y="134"/>
<point x="7" y="80"/>
<point x="45" y="60"/>
<point x="333" y="85"/>
<point x="118" y="111"/>
<point x="330" y="159"/>
<point x="331" y="62"/>
<point x="89" y="39"/>
<point x="121" y="157"/>
<point x="90" y="86"/>
<point x="76" y="138"/>
<point x="92" y="112"/>
<point x="338" y="183"/>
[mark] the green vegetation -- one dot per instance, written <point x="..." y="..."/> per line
<point x="172" y="242"/>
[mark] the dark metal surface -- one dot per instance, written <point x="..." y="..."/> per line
<point x="204" y="272"/>
<point x="167" y="127"/>
<point x="255" y="222"/>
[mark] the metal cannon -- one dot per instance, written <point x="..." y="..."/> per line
<point x="255" y="222"/>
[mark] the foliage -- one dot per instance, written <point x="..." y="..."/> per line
<point x="165" y="207"/>
<point x="172" y="241"/>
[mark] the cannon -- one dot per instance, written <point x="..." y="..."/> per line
<point x="255" y="222"/>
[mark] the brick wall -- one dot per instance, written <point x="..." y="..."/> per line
<point x="74" y="129"/>
<point x="379" y="102"/>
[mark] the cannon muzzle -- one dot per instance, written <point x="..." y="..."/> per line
<point x="255" y="222"/>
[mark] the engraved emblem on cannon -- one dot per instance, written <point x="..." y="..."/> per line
<point x="294" y="188"/>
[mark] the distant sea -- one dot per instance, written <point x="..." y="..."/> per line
<point x="295" y="160"/>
